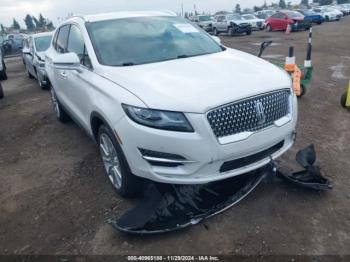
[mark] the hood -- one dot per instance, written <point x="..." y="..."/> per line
<point x="205" y="22"/>
<point x="239" y="22"/>
<point x="255" y="20"/>
<point x="198" y="84"/>
<point x="298" y="18"/>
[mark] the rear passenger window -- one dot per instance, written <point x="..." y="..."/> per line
<point x="76" y="45"/>
<point x="61" y="45"/>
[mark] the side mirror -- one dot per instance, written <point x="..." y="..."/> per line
<point x="216" y="39"/>
<point x="68" y="61"/>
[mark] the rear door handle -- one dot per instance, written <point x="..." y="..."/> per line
<point x="64" y="74"/>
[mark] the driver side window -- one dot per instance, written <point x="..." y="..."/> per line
<point x="76" y="45"/>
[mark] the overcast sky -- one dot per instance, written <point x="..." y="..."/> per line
<point x="52" y="9"/>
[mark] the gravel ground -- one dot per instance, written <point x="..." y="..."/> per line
<point x="54" y="198"/>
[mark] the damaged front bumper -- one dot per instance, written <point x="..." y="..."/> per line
<point x="167" y="208"/>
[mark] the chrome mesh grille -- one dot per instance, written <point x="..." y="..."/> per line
<point x="244" y="116"/>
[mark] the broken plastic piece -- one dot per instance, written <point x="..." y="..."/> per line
<point x="168" y="208"/>
<point x="311" y="176"/>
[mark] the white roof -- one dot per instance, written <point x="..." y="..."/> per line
<point x="125" y="14"/>
<point x="42" y="34"/>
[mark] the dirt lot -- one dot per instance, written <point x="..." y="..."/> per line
<point x="54" y="198"/>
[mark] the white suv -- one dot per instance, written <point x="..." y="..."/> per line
<point x="165" y="101"/>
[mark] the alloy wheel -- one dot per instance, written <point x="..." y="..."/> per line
<point x="110" y="161"/>
<point x="55" y="105"/>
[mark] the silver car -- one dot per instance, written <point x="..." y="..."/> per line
<point x="34" y="57"/>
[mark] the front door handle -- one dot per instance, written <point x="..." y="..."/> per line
<point x="64" y="74"/>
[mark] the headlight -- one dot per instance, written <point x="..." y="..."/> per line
<point x="167" y="120"/>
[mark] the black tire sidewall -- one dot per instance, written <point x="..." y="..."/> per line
<point x="1" y="92"/>
<point x="343" y="100"/>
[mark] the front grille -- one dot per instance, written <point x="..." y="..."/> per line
<point x="259" y="24"/>
<point x="249" y="115"/>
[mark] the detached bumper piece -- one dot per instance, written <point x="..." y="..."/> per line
<point x="311" y="176"/>
<point x="167" y="208"/>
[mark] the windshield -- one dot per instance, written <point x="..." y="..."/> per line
<point x="234" y="17"/>
<point x="293" y="14"/>
<point x="204" y="18"/>
<point x="42" y="43"/>
<point x="141" y="40"/>
<point x="247" y="17"/>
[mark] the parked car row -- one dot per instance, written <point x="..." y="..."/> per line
<point x="302" y="19"/>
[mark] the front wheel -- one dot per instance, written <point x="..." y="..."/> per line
<point x="115" y="164"/>
<point x="249" y="32"/>
<point x="60" y="112"/>
<point x="230" y="31"/>
<point x="269" y="28"/>
<point x="302" y="90"/>
<point x="215" y="32"/>
<point x="40" y="83"/>
<point x="3" y="75"/>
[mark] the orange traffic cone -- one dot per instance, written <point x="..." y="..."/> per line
<point x="288" y="29"/>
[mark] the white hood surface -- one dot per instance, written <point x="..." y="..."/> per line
<point x="198" y="84"/>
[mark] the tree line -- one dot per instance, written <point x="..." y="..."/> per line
<point x="32" y="23"/>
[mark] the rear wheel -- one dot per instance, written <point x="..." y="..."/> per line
<point x="60" y="112"/>
<point x="116" y="165"/>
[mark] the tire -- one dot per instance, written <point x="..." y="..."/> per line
<point x="3" y="75"/>
<point x="327" y="18"/>
<point x="269" y="28"/>
<point x="41" y="85"/>
<point x="249" y="32"/>
<point x="59" y="110"/>
<point x="1" y="92"/>
<point x="30" y="76"/>
<point x="343" y="100"/>
<point x="115" y="164"/>
<point x="215" y="31"/>
<point x="302" y="90"/>
<point x="230" y="32"/>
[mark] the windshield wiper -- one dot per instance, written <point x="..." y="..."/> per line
<point x="182" y="56"/>
<point x="128" y="64"/>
